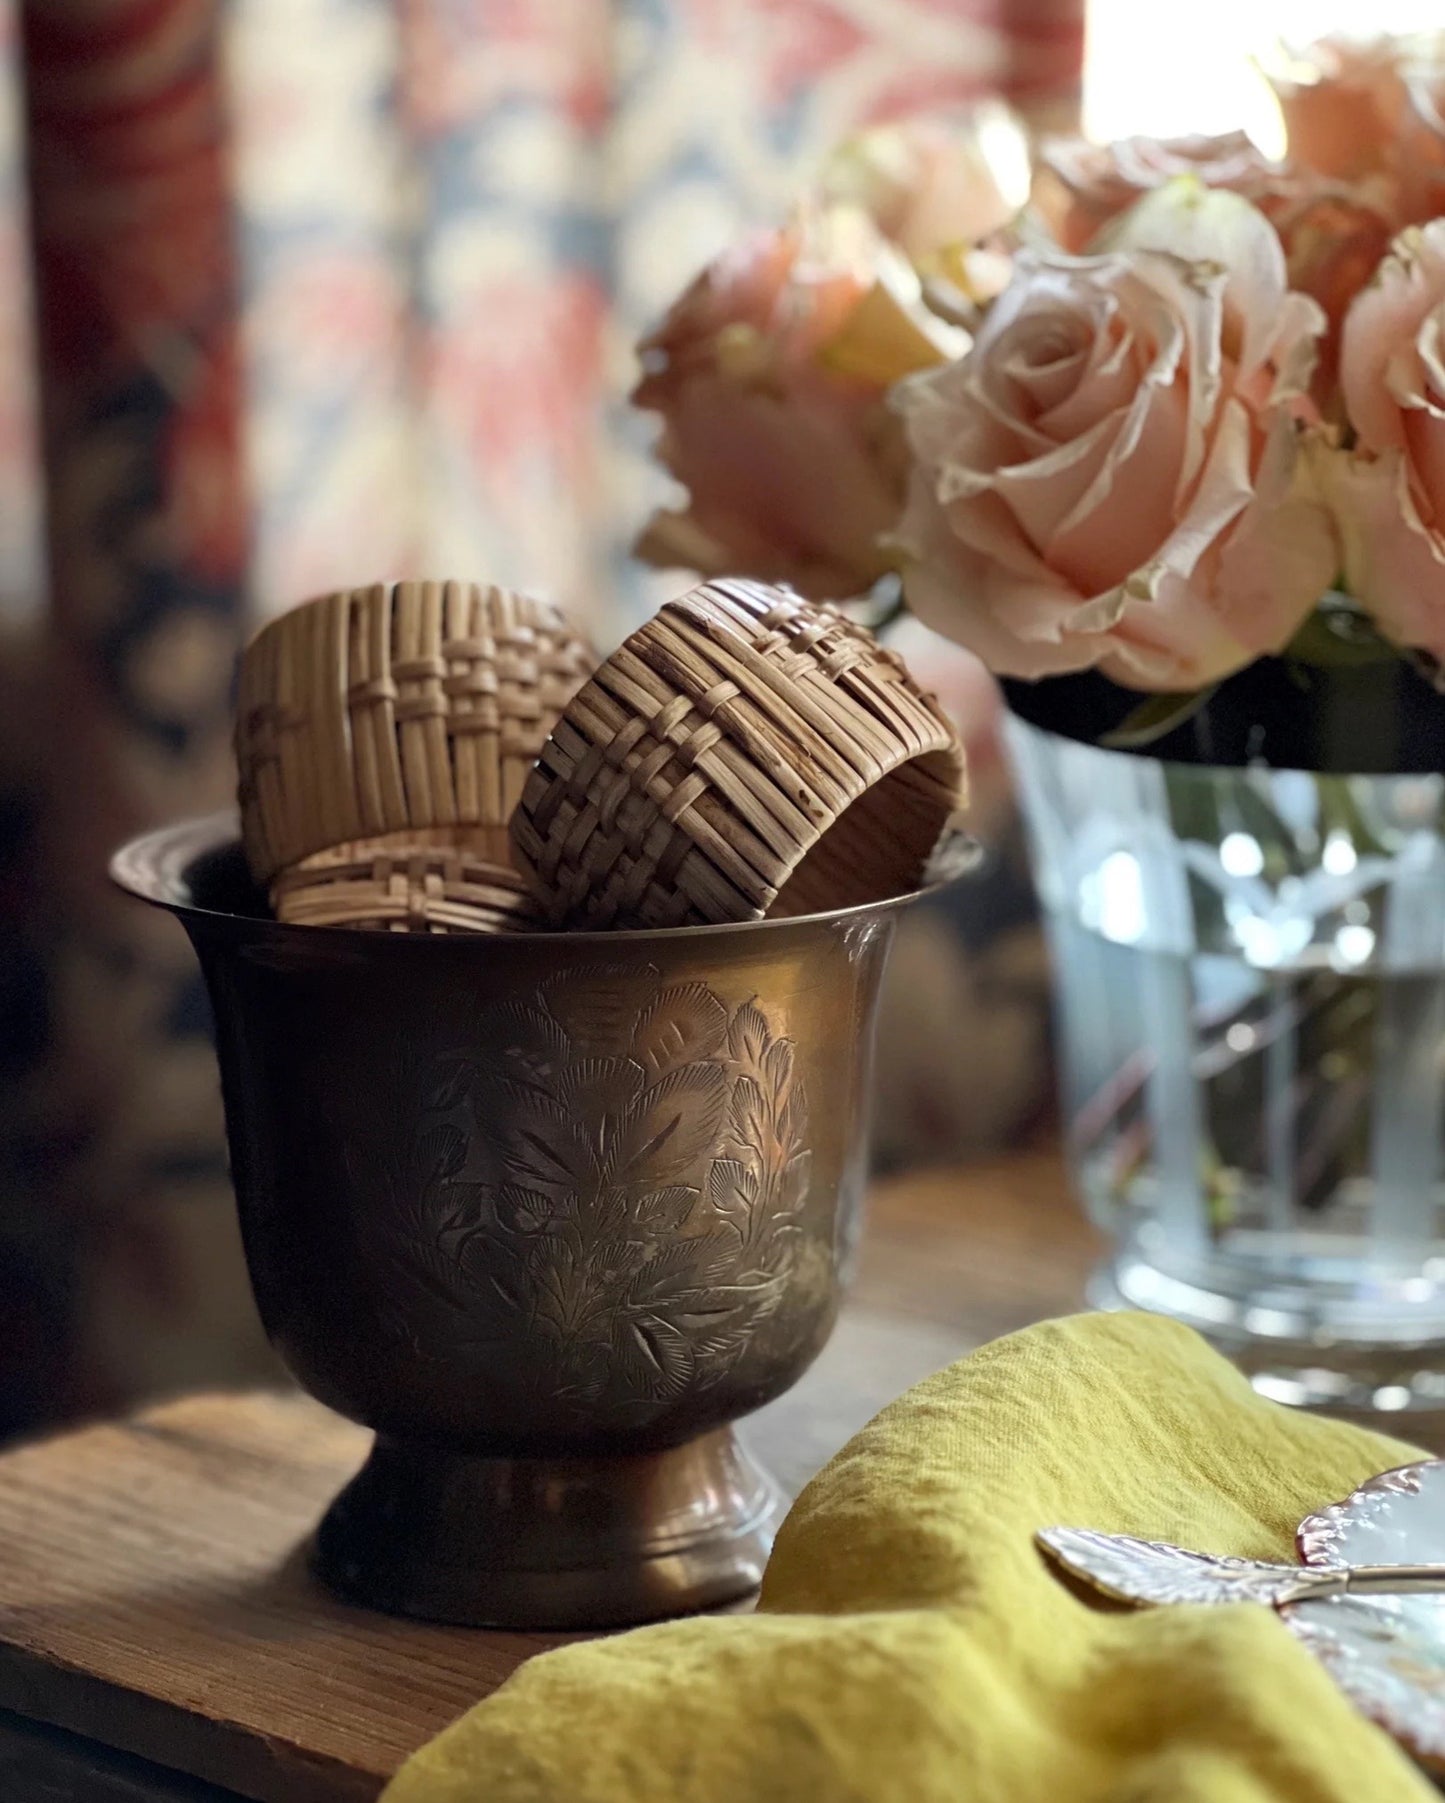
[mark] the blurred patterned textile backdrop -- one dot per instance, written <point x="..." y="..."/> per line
<point x="328" y="290"/>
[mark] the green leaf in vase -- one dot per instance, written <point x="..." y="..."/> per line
<point x="1153" y="718"/>
<point x="1339" y="635"/>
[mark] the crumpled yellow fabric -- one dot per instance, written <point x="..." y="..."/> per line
<point x="912" y="1647"/>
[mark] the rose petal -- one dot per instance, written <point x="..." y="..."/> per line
<point x="967" y="596"/>
<point x="1425" y="446"/>
<point x="1158" y="646"/>
<point x="927" y="183"/>
<point x="987" y="525"/>
<point x="1421" y="146"/>
<point x="1097" y="546"/>
<point x="1394" y="562"/>
<point x="963" y="443"/>
<point x="1045" y="493"/>
<point x="1342" y="101"/>
<point x="1383" y="322"/>
<point x="1225" y="487"/>
<point x="956" y="445"/>
<point x="1080" y="187"/>
<point x="1042" y="309"/>
<point x="1334" y="240"/>
<point x="1430" y="342"/>
<point x="1280" y="556"/>
<point x="1191" y="298"/>
<point x="790" y="490"/>
<point x="1116" y="365"/>
<point x="1184" y="219"/>
<point x="1244" y="594"/>
<point x="1048" y="377"/>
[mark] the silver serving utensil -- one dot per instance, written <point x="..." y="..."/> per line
<point x="1153" y="1571"/>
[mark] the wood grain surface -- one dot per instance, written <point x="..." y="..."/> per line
<point x="154" y="1596"/>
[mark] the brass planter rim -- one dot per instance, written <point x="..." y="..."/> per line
<point x="151" y="867"/>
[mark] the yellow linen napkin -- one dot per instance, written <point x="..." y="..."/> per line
<point x="912" y="1647"/>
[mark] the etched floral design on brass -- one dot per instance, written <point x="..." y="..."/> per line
<point x="619" y="1193"/>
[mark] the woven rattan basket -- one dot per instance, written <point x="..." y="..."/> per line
<point x="384" y="736"/>
<point x="414" y="882"/>
<point x="742" y="754"/>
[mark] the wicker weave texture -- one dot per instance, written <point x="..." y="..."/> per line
<point x="413" y="882"/>
<point x="378" y="711"/>
<point x="742" y="754"/>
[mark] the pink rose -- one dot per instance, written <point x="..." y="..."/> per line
<point x="1343" y="104"/>
<point x="1421" y="159"/>
<point x="1373" y="115"/>
<point x="771" y="374"/>
<point x="1334" y="233"/>
<point x="1334" y="238"/>
<point x="1389" y="496"/>
<point x="1109" y="478"/>
<point x="932" y="184"/>
<point x="1079" y="187"/>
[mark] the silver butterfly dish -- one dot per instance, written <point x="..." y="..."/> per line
<point x="1367" y="1599"/>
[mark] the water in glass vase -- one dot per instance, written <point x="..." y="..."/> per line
<point x="1251" y="1007"/>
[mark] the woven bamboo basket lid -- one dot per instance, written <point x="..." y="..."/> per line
<point x="742" y="754"/>
<point x="384" y="735"/>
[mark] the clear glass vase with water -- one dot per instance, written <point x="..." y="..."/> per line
<point x="1250" y="972"/>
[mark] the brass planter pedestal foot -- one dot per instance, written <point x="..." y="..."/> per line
<point x="550" y="1543"/>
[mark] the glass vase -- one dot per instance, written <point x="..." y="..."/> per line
<point x="1250" y="991"/>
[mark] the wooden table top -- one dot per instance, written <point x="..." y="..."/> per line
<point x="154" y="1596"/>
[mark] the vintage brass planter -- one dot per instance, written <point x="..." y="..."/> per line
<point x="548" y="1213"/>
